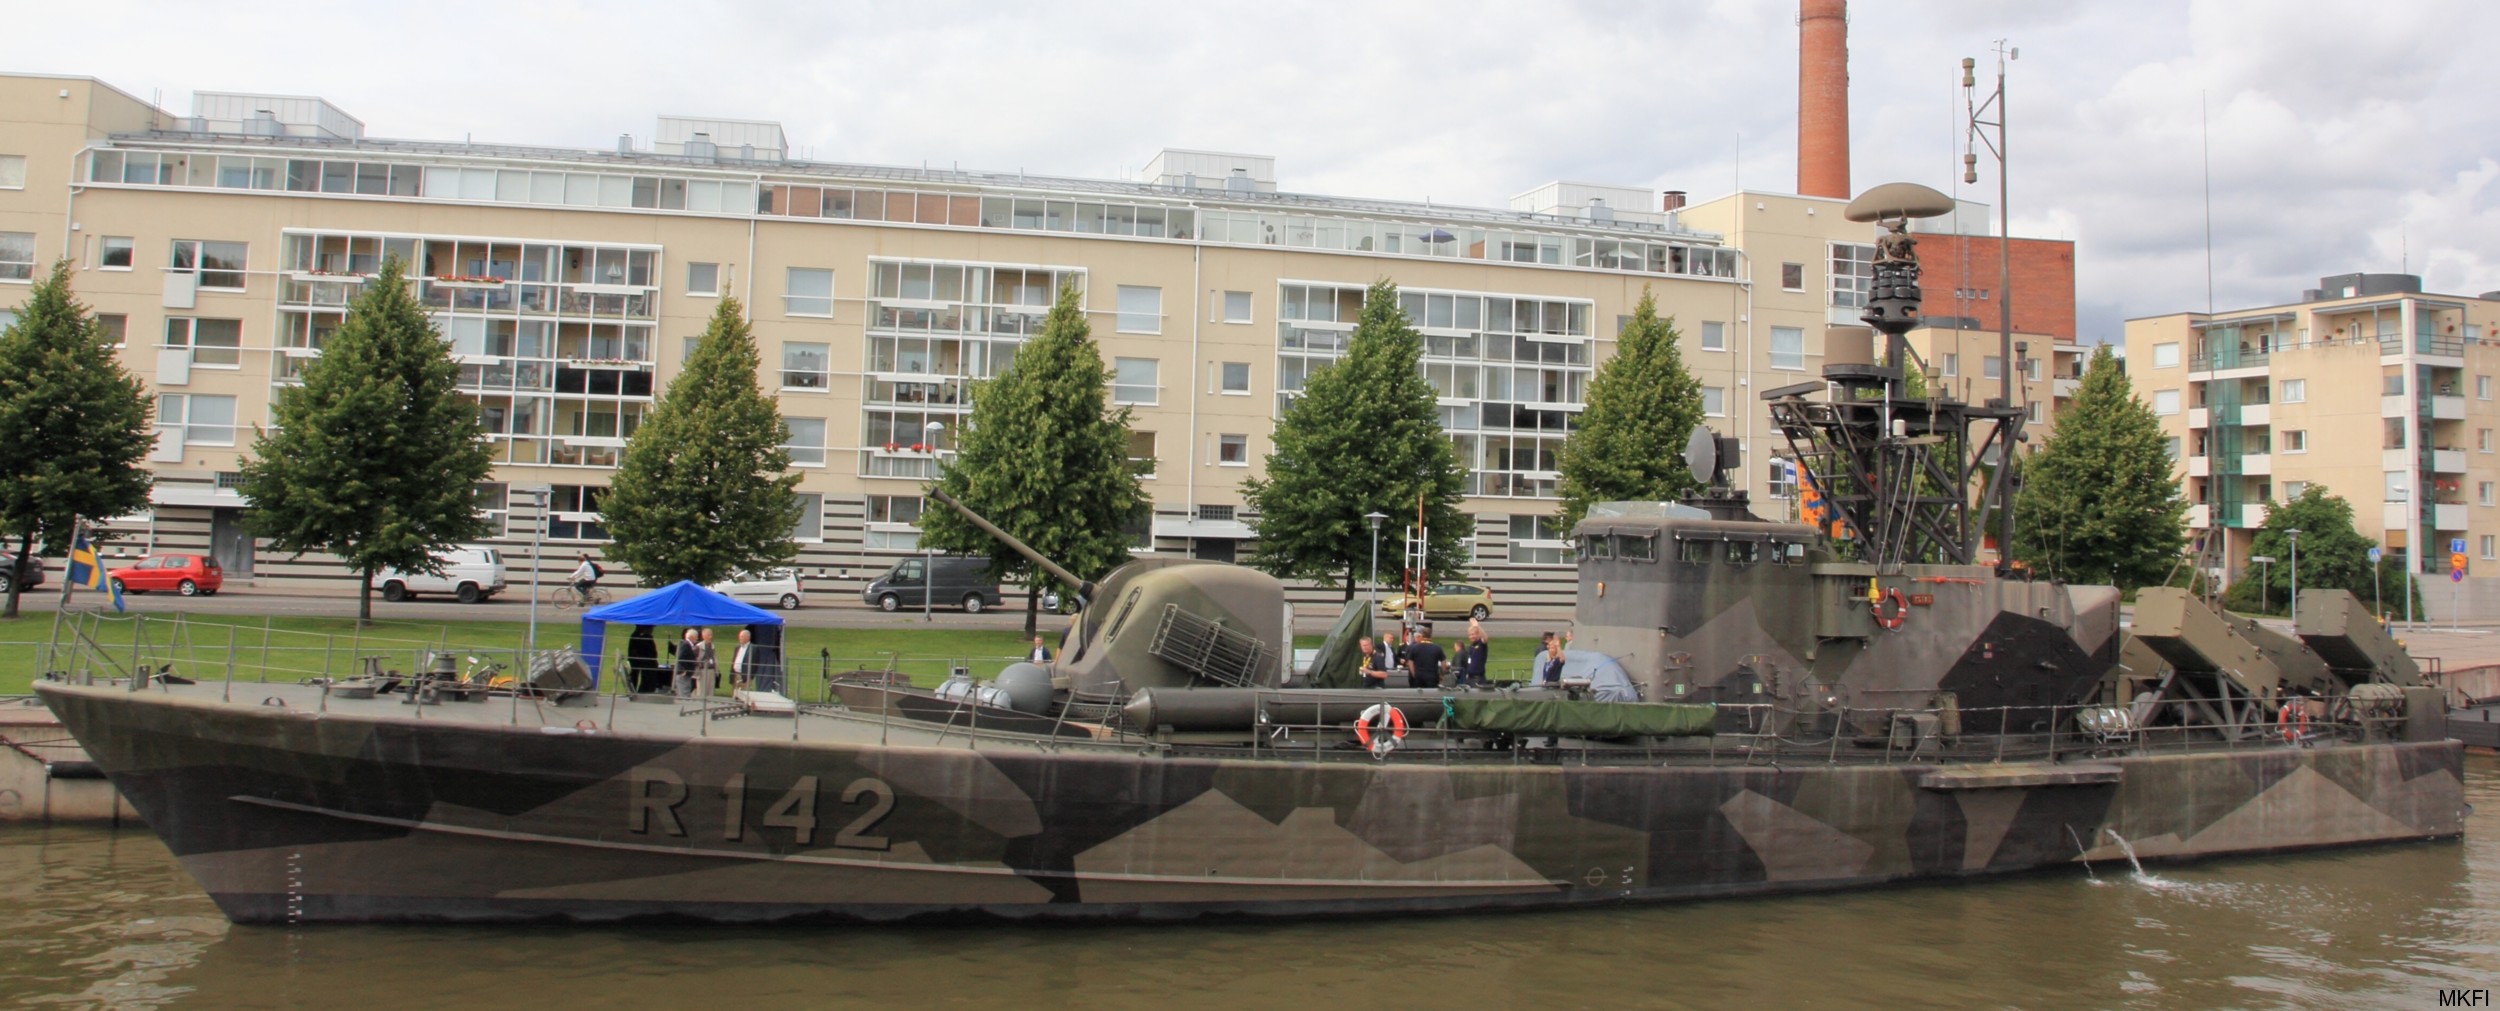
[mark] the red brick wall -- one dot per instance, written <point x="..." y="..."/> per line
<point x="2044" y="281"/>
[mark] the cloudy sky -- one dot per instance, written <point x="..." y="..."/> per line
<point x="2343" y="137"/>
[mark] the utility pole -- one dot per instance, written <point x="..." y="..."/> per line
<point x="2295" y="535"/>
<point x="2005" y="266"/>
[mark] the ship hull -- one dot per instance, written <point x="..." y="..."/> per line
<point x="291" y="816"/>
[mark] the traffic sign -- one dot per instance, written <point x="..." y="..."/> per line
<point x="2456" y="546"/>
<point x="2374" y="556"/>
<point x="2456" y="575"/>
<point x="2456" y="564"/>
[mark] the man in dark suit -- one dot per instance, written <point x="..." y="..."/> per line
<point x="1424" y="659"/>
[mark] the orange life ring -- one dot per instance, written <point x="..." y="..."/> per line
<point x="1900" y="608"/>
<point x="1381" y="715"/>
<point x="2295" y="720"/>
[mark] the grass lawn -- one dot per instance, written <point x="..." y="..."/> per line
<point x="293" y="648"/>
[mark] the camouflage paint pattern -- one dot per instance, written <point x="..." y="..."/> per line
<point x="362" y="813"/>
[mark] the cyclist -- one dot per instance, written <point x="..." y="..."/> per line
<point x="585" y="577"/>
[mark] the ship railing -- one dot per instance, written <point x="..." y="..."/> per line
<point x="1765" y="734"/>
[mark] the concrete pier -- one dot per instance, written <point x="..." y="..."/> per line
<point x="45" y="777"/>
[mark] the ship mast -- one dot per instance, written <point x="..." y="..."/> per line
<point x="1894" y="478"/>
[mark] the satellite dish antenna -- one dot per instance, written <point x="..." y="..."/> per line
<point x="1701" y="455"/>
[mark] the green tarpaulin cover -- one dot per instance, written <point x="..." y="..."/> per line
<point x="1561" y="717"/>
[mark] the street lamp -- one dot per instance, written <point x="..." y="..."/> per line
<point x="538" y="530"/>
<point x="2295" y="535"/>
<point x="928" y="555"/>
<point x="2265" y="574"/>
<point x="1375" y="519"/>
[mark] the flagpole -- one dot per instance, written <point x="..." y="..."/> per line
<point x="70" y="557"/>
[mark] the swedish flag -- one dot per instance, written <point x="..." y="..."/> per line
<point x="85" y="571"/>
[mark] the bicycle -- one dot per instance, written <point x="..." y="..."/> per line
<point x="565" y="598"/>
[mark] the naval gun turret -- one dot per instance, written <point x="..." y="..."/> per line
<point x="1161" y="623"/>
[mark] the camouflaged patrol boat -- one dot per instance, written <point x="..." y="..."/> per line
<point x="1754" y="707"/>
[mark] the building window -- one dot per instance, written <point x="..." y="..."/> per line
<point x="2394" y="436"/>
<point x="1713" y="335"/>
<point x="1134" y="380"/>
<point x="809" y="528"/>
<point x="1237" y="307"/>
<point x="1141" y="309"/>
<point x="2396" y="486"/>
<point x="2295" y="391"/>
<point x="1539" y="540"/>
<point x="1783" y="479"/>
<point x="2164" y="401"/>
<point x="2292" y="489"/>
<point x="1714" y="401"/>
<point x="17" y="256"/>
<point x="1992" y="367"/>
<point x="573" y="513"/>
<point x="1141" y="453"/>
<point x="1233" y="377"/>
<point x="12" y="171"/>
<point x="210" y="341"/>
<point x="195" y="419"/>
<point x="2482" y="440"/>
<point x="807" y="441"/>
<point x="115" y="252"/>
<point x="1952" y="364"/>
<point x="2482" y="387"/>
<point x="116" y="328"/>
<point x="807" y="291"/>
<point x="703" y="279"/>
<point x="1853" y="274"/>
<point x="2489" y="543"/>
<point x="2031" y="413"/>
<point x="2171" y="446"/>
<point x="805" y="366"/>
<point x="2031" y="369"/>
<point x="2166" y="355"/>
<point x="219" y="264"/>
<point x="1232" y="450"/>
<point x="892" y="523"/>
<point x="2296" y="441"/>
<point x="1788" y="347"/>
<point x="493" y="499"/>
<point x="1793" y="277"/>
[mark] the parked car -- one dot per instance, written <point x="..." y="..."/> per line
<point x="780" y="588"/>
<point x="472" y="575"/>
<point x="184" y="574"/>
<point x="26" y="578"/>
<point x="958" y="581"/>
<point x="1449" y="600"/>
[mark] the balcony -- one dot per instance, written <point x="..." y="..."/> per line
<point x="2064" y="389"/>
<point x="2448" y="461"/>
<point x="2256" y="415"/>
<point x="2197" y="515"/>
<point x="2198" y="417"/>
<point x="2199" y="466"/>
<point x="2448" y="516"/>
<point x="2447" y="408"/>
<point x="2257" y="464"/>
<point x="2396" y="515"/>
<point x="2252" y="515"/>
<point x="2395" y="406"/>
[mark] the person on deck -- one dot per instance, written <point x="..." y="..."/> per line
<point x="1469" y="664"/>
<point x="1375" y="669"/>
<point x="1424" y="659"/>
<point x="1551" y="663"/>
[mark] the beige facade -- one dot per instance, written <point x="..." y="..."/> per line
<point x="2369" y="388"/>
<point x="224" y="244"/>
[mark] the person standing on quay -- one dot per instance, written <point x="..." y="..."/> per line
<point x="706" y="665"/>
<point x="688" y="653"/>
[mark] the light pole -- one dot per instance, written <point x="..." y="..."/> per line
<point x="2005" y="262"/>
<point x="928" y="555"/>
<point x="1375" y="519"/>
<point x="2295" y="535"/>
<point x="2265" y="572"/>
<point x="538" y="530"/>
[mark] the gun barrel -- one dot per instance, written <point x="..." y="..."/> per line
<point x="1083" y="588"/>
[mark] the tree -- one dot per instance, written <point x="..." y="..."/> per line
<point x="705" y="486"/>
<point x="73" y="425"/>
<point x="1642" y="405"/>
<point x="1364" y="437"/>
<point x="1045" y="459"/>
<point x="377" y="456"/>
<point x="2333" y="555"/>
<point x="2099" y="501"/>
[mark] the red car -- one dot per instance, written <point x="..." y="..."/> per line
<point x="183" y="574"/>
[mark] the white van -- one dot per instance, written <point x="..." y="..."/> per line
<point x="470" y="574"/>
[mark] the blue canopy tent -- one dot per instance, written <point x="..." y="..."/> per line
<point x="678" y="603"/>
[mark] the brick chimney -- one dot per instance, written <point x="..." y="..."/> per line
<point x="1823" y="98"/>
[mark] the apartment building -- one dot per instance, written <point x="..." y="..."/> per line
<point x="223" y="246"/>
<point x="2368" y="386"/>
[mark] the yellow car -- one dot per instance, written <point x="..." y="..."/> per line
<point x="1448" y="600"/>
